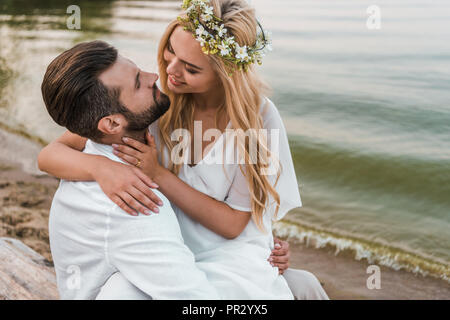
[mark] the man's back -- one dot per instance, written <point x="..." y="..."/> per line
<point x="91" y="238"/>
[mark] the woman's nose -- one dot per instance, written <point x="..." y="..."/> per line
<point x="173" y="68"/>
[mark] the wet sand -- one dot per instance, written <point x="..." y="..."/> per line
<point x="345" y="278"/>
<point x="25" y="199"/>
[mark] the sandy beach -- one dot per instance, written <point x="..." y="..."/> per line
<point x="345" y="278"/>
<point x="25" y="199"/>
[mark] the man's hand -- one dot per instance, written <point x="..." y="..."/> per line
<point x="280" y="255"/>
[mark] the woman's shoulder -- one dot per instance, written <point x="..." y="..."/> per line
<point x="153" y="128"/>
<point x="270" y="114"/>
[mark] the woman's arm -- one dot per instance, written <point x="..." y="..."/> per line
<point x="62" y="158"/>
<point x="213" y="214"/>
<point x="125" y="185"/>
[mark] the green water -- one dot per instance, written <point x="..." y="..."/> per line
<point x="367" y="111"/>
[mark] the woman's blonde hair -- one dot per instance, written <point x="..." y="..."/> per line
<point x="243" y="94"/>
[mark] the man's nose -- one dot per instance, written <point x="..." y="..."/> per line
<point x="152" y="78"/>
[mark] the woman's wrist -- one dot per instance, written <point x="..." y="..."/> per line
<point x="159" y="173"/>
<point x="95" y="165"/>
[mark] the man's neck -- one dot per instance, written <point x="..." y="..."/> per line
<point x="117" y="138"/>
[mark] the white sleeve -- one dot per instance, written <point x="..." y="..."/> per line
<point x="239" y="196"/>
<point x="287" y="186"/>
<point x="153" y="129"/>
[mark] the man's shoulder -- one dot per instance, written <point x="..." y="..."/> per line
<point x="81" y="193"/>
<point x="166" y="202"/>
<point x="78" y="192"/>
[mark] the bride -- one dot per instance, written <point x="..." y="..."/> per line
<point x="225" y="209"/>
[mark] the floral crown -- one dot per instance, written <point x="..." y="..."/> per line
<point x="214" y="38"/>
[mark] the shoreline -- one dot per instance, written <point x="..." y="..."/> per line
<point x="25" y="200"/>
<point x="345" y="278"/>
<point x="375" y="253"/>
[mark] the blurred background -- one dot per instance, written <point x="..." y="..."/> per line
<point x="367" y="110"/>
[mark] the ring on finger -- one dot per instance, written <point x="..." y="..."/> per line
<point x="138" y="164"/>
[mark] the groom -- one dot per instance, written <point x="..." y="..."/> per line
<point x="98" y="94"/>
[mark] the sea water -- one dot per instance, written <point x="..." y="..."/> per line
<point x="367" y="109"/>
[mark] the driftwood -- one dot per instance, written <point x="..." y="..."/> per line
<point x="25" y="274"/>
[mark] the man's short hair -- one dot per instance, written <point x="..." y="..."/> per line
<point x="74" y="96"/>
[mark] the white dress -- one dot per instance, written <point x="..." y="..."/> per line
<point x="238" y="268"/>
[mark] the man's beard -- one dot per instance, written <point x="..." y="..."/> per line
<point x="138" y="122"/>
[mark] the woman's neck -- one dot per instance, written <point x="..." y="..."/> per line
<point x="212" y="99"/>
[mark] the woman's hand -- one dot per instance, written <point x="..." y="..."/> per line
<point x="143" y="156"/>
<point x="128" y="187"/>
<point x="280" y="255"/>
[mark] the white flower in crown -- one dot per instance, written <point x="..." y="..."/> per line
<point x="201" y="3"/>
<point x="200" y="31"/>
<point x="241" y="53"/>
<point x="268" y="37"/>
<point x="230" y="40"/>
<point x="207" y="13"/>
<point x="224" y="49"/>
<point x="201" y="40"/>
<point x="212" y="43"/>
<point x="191" y="8"/>
<point x="221" y="31"/>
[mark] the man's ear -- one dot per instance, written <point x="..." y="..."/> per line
<point x="113" y="124"/>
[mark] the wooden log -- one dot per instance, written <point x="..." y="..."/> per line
<point x="25" y="274"/>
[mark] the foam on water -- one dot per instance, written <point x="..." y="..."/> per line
<point x="372" y="252"/>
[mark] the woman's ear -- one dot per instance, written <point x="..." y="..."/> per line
<point x="113" y="124"/>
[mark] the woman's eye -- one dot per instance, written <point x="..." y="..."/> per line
<point x="191" y="71"/>
<point x="169" y="48"/>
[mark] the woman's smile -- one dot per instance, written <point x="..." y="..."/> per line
<point x="174" y="81"/>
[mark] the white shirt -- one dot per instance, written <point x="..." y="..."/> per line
<point x="91" y="238"/>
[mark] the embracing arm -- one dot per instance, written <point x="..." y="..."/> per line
<point x="212" y="214"/>
<point x="125" y="185"/>
<point x="62" y="158"/>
